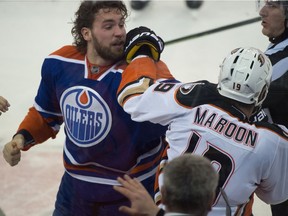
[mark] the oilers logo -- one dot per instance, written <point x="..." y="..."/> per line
<point x="87" y="116"/>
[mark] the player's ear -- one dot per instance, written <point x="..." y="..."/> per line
<point x="86" y="33"/>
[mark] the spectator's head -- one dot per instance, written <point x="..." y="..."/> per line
<point x="274" y="16"/>
<point x="245" y="76"/>
<point x="189" y="185"/>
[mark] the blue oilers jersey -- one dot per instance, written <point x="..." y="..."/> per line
<point x="102" y="142"/>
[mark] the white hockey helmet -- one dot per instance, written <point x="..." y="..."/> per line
<point x="245" y="76"/>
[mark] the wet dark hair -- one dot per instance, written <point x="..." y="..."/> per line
<point x="285" y="6"/>
<point x="85" y="17"/>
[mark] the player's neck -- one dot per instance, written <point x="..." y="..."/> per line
<point x="98" y="61"/>
<point x="95" y="59"/>
<point x="248" y="111"/>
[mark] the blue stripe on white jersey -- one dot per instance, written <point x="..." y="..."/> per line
<point x="280" y="65"/>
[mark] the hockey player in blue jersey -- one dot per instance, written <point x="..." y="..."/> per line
<point x="78" y="89"/>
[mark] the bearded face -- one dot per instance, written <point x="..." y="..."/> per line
<point x="109" y="51"/>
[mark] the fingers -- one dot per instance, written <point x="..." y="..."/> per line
<point x="19" y="140"/>
<point x="124" y="191"/>
<point x="129" y="186"/>
<point x="4" y="104"/>
<point x="12" y="153"/>
<point x="141" y="201"/>
<point x="135" y="183"/>
<point x="12" y="150"/>
<point x="127" y="210"/>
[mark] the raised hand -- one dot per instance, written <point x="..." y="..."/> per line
<point x="143" y="41"/>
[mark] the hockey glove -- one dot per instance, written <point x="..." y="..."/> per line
<point x="143" y="41"/>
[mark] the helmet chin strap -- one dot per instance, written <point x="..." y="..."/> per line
<point x="257" y="109"/>
<point x="281" y="37"/>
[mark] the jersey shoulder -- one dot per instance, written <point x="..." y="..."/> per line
<point x="121" y="66"/>
<point x="274" y="128"/>
<point x="196" y="93"/>
<point x="70" y="52"/>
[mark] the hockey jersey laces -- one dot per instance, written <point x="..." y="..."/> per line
<point x="228" y="208"/>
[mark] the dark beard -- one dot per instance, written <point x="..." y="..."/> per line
<point x="106" y="53"/>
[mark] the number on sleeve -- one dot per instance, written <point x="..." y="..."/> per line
<point x="164" y="87"/>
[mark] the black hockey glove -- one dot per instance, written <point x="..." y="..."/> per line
<point x="143" y="41"/>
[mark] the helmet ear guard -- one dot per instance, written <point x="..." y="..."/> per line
<point x="245" y="76"/>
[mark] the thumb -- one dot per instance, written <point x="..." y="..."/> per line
<point x="18" y="142"/>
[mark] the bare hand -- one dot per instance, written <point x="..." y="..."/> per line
<point x="4" y="104"/>
<point x="12" y="150"/>
<point x="141" y="201"/>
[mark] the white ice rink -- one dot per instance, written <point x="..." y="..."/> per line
<point x="30" y="30"/>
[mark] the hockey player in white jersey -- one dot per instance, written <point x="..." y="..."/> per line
<point x="212" y="120"/>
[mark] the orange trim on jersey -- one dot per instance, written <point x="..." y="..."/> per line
<point x="86" y="168"/>
<point x="69" y="51"/>
<point x="143" y="167"/>
<point x="136" y="69"/>
<point x="162" y="71"/>
<point x="82" y="168"/>
<point x="128" y="97"/>
<point x="247" y="208"/>
<point x="37" y="126"/>
<point x="144" y="67"/>
<point x="164" y="160"/>
<point x="136" y="170"/>
<point x="177" y="101"/>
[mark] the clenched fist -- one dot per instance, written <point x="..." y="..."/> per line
<point x="12" y="150"/>
<point x="143" y="40"/>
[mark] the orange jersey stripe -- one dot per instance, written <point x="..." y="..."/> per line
<point x="69" y="52"/>
<point x="144" y="67"/>
<point x="33" y="123"/>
